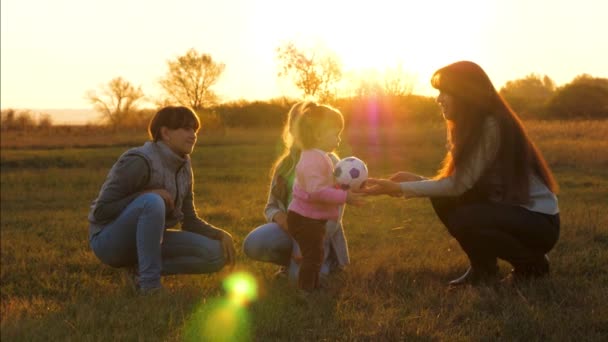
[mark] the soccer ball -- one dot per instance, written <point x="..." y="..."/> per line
<point x="350" y="173"/>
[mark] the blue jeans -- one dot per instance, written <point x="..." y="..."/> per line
<point x="138" y="237"/>
<point x="270" y="243"/>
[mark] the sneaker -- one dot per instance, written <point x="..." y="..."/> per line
<point x="281" y="273"/>
<point x="531" y="270"/>
<point x="304" y="298"/>
<point x="323" y="281"/>
<point x="131" y="278"/>
<point x="151" y="291"/>
<point x="476" y="276"/>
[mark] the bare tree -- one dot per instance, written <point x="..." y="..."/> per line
<point x="116" y="101"/>
<point x="190" y="78"/>
<point x="365" y="83"/>
<point x="315" y="72"/>
<point x="390" y="82"/>
<point x="397" y="82"/>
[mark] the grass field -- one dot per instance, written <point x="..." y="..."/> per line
<point x="54" y="289"/>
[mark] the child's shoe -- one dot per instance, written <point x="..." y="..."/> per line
<point x="151" y="291"/>
<point x="281" y="273"/>
<point x="304" y="298"/>
<point x="131" y="278"/>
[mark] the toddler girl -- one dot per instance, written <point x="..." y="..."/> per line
<point x="315" y="198"/>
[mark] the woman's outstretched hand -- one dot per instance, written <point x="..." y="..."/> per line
<point x="376" y="186"/>
<point x="355" y="198"/>
<point x="403" y="176"/>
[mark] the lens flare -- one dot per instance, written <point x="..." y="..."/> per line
<point x="241" y="288"/>
<point x="218" y="320"/>
<point x="226" y="318"/>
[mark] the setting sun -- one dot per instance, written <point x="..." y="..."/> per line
<point x="416" y="36"/>
<point x="276" y="170"/>
<point x="41" y="48"/>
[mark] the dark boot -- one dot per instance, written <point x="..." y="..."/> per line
<point x="530" y="270"/>
<point x="476" y="276"/>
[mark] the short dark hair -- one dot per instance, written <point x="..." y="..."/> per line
<point x="172" y="117"/>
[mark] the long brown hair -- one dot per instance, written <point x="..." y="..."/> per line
<point x="475" y="99"/>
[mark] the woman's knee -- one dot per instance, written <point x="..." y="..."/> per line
<point x="266" y="240"/>
<point x="215" y="266"/>
<point x="152" y="202"/>
<point x="217" y="260"/>
<point x="251" y="245"/>
<point x="114" y="257"/>
<point x="442" y="207"/>
<point x="458" y="219"/>
<point x="212" y="259"/>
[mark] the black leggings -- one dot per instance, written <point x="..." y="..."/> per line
<point x="488" y="230"/>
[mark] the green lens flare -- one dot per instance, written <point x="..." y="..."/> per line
<point x="218" y="320"/>
<point x="226" y="318"/>
<point x="241" y="288"/>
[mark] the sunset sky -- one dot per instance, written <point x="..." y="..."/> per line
<point x="53" y="52"/>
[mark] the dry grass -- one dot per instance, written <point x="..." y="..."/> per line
<point x="53" y="287"/>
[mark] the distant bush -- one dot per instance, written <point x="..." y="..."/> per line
<point x="389" y="110"/>
<point x="211" y="121"/>
<point x="253" y="114"/>
<point x="139" y="118"/>
<point x="585" y="97"/>
<point x="356" y="110"/>
<point x="13" y="120"/>
<point x="529" y="96"/>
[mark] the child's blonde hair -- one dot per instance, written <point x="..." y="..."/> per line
<point x="313" y="119"/>
<point x="286" y="162"/>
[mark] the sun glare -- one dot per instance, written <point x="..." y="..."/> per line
<point x="415" y="36"/>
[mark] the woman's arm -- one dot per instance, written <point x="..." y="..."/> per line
<point x="126" y="180"/>
<point x="456" y="184"/>
<point x="465" y="177"/>
<point x="403" y="176"/>
<point x="193" y="223"/>
<point x="275" y="209"/>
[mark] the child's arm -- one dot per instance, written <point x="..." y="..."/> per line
<point x="316" y="172"/>
<point x="329" y="195"/>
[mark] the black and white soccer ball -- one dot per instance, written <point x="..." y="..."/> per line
<point x="350" y="173"/>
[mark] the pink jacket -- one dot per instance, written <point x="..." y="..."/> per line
<point x="314" y="194"/>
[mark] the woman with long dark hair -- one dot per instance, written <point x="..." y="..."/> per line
<point x="495" y="193"/>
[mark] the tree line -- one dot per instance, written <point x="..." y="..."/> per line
<point x="318" y="75"/>
<point x="536" y="96"/>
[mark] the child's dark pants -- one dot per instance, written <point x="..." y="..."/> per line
<point x="309" y="234"/>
